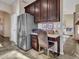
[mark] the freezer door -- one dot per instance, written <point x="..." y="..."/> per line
<point x="22" y="32"/>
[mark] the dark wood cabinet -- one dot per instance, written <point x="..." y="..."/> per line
<point x="30" y="9"/>
<point x="45" y="10"/>
<point x="58" y="9"/>
<point x="27" y="9"/>
<point x="34" y="39"/>
<point x="37" y="11"/>
<point x="52" y="10"/>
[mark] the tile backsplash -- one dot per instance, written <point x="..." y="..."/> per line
<point x="49" y="25"/>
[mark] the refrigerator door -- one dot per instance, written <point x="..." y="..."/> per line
<point x="30" y="24"/>
<point x="24" y="28"/>
<point x="19" y="32"/>
<point x="22" y="32"/>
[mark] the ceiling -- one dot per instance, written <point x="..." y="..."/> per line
<point x="69" y="6"/>
<point x="8" y="1"/>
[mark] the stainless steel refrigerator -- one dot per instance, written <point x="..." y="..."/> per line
<point x="25" y="24"/>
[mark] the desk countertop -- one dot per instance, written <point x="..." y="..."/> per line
<point x="49" y="35"/>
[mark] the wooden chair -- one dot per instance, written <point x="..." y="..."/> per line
<point x="43" y="41"/>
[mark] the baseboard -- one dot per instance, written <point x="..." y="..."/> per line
<point x="7" y="37"/>
<point x="4" y="36"/>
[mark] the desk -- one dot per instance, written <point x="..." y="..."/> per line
<point x="49" y="35"/>
<point x="54" y="38"/>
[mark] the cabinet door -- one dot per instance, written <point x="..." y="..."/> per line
<point x="37" y="11"/>
<point x="58" y="9"/>
<point x="51" y="10"/>
<point x="43" y="10"/>
<point x="34" y="42"/>
<point x="32" y="9"/>
<point x="27" y="9"/>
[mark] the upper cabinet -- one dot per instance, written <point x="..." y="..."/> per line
<point x="30" y="9"/>
<point x="52" y="10"/>
<point x="37" y="12"/>
<point x="27" y="10"/>
<point x="58" y="9"/>
<point x="44" y="10"/>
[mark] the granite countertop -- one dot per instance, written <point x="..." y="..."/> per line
<point x="49" y="35"/>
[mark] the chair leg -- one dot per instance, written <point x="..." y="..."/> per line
<point x="40" y="52"/>
<point x="39" y="48"/>
<point x="48" y="52"/>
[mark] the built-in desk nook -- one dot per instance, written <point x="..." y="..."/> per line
<point x="51" y="38"/>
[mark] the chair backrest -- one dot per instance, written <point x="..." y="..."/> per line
<point x="70" y="46"/>
<point x="43" y="39"/>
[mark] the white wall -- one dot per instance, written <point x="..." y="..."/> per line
<point x="8" y="9"/>
<point x="77" y="8"/>
<point x="2" y="16"/>
<point x="14" y="15"/>
<point x="14" y="28"/>
<point x="7" y="25"/>
<point x="61" y="27"/>
<point x="5" y="17"/>
<point x="69" y="20"/>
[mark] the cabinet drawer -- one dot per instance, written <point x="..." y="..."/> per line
<point x="34" y="45"/>
<point x="35" y="37"/>
<point x="34" y="40"/>
<point x="53" y="39"/>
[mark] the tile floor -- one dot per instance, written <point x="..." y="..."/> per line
<point x="32" y="54"/>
